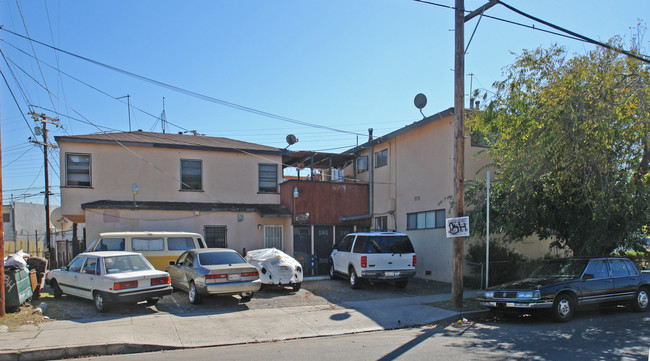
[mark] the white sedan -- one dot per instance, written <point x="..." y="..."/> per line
<point x="110" y="277"/>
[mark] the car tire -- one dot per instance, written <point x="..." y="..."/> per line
<point x="563" y="308"/>
<point x="332" y="271"/>
<point x="152" y="301"/>
<point x="402" y="283"/>
<point x="296" y="286"/>
<point x="193" y="295"/>
<point x="355" y="281"/>
<point x="246" y="298"/>
<point x="101" y="305"/>
<point x="56" y="289"/>
<point x="640" y="303"/>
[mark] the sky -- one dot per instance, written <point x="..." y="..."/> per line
<point x="328" y="69"/>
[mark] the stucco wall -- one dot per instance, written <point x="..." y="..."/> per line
<point x="228" y="177"/>
<point x="240" y="235"/>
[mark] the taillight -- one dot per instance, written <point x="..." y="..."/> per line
<point x="250" y="274"/>
<point x="125" y="285"/>
<point x="212" y="277"/>
<point x="364" y="261"/>
<point x="414" y="259"/>
<point x="161" y="281"/>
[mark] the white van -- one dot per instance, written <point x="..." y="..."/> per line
<point x="158" y="247"/>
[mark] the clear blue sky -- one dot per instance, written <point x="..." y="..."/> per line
<point x="349" y="65"/>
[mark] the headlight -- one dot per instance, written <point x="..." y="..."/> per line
<point x="488" y="294"/>
<point x="528" y="294"/>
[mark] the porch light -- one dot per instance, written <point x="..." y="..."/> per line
<point x="296" y="192"/>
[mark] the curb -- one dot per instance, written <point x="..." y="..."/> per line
<point x="80" y="351"/>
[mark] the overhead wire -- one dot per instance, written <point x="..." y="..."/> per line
<point x="188" y="92"/>
<point x="14" y="98"/>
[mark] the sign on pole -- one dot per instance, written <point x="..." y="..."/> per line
<point x="457" y="227"/>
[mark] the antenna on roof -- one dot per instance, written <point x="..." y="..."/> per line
<point x="420" y="102"/>
<point x="163" y="117"/>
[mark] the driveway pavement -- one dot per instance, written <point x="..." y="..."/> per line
<point x="322" y="307"/>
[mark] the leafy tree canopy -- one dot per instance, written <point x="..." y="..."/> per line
<point x="569" y="138"/>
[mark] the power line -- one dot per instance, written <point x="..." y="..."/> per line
<point x="15" y="100"/>
<point x="188" y="92"/>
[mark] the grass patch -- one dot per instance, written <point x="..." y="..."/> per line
<point x="26" y="316"/>
<point x="469" y="304"/>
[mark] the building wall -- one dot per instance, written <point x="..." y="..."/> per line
<point x="27" y="221"/>
<point x="228" y="177"/>
<point x="246" y="234"/>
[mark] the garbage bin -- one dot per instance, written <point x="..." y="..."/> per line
<point x="18" y="288"/>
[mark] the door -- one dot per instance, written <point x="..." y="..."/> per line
<point x="625" y="278"/>
<point x="341" y="256"/>
<point x="180" y="270"/>
<point x="215" y="236"/>
<point x="302" y="247"/>
<point x="599" y="286"/>
<point x="69" y="280"/>
<point x="87" y="277"/>
<point x="342" y="231"/>
<point x="323" y="241"/>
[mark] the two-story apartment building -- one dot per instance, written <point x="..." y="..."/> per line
<point x="224" y="189"/>
<point x="410" y="172"/>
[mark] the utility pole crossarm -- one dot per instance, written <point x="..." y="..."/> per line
<point x="480" y="10"/>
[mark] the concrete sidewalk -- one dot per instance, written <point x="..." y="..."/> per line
<point x="162" y="331"/>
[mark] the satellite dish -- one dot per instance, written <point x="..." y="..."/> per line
<point x="291" y="139"/>
<point x="420" y="101"/>
<point x="59" y="221"/>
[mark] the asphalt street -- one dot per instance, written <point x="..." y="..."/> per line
<point x="608" y="334"/>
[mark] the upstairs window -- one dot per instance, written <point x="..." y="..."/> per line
<point x="362" y="164"/>
<point x="191" y="175"/>
<point x="77" y="170"/>
<point x="425" y="220"/>
<point x="268" y="178"/>
<point x="381" y="158"/>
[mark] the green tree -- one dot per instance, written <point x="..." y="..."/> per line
<point x="569" y="138"/>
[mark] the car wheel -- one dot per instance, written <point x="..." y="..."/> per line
<point x="563" y="308"/>
<point x="152" y="301"/>
<point x="640" y="303"/>
<point x="193" y="295"/>
<point x="332" y="271"/>
<point x="355" y="282"/>
<point x="296" y="286"/>
<point x="56" y="289"/>
<point x="402" y="283"/>
<point x="246" y="298"/>
<point x="100" y="302"/>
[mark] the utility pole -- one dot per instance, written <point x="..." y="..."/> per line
<point x="2" y="249"/>
<point x="44" y="119"/>
<point x="458" y="251"/>
<point x="128" y="102"/>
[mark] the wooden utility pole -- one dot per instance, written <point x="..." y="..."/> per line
<point x="2" y="248"/>
<point x="458" y="252"/>
<point x="44" y="119"/>
<point x="459" y="150"/>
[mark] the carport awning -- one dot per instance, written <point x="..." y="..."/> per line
<point x="264" y="210"/>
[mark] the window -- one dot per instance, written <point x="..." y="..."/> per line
<point x="620" y="268"/>
<point x="381" y="223"/>
<point x="268" y="178"/>
<point x="77" y="170"/>
<point x="358" y="245"/>
<point x="362" y="164"/>
<point x="220" y="258"/>
<point x="110" y="244"/>
<point x="91" y="267"/>
<point x="423" y="220"/>
<point x="148" y="244"/>
<point x="191" y="174"/>
<point x="6" y="217"/>
<point x="215" y="236"/>
<point x="598" y="268"/>
<point x="180" y="243"/>
<point x="273" y="237"/>
<point x="381" y="158"/>
<point x="346" y="244"/>
<point x="76" y="264"/>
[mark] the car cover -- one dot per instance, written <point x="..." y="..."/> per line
<point x="275" y="266"/>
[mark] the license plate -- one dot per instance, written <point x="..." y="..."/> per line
<point x="234" y="277"/>
<point x="391" y="274"/>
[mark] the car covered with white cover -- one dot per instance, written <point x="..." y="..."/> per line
<point x="276" y="267"/>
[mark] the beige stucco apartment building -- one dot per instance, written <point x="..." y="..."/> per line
<point x="224" y="189"/>
<point x="411" y="171"/>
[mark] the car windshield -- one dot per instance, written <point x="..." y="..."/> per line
<point x="128" y="263"/>
<point x="388" y="244"/>
<point x="565" y="268"/>
<point x="218" y="258"/>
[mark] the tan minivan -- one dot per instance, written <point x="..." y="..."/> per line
<point x="158" y="247"/>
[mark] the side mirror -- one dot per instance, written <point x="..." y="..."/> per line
<point x="587" y="276"/>
<point x="172" y="263"/>
<point x="64" y="268"/>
